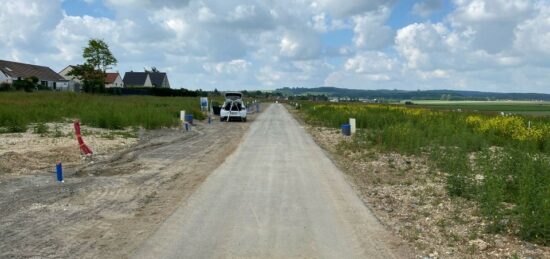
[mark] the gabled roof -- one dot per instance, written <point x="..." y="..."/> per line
<point x="16" y="69"/>
<point x="138" y="78"/>
<point x="134" y="78"/>
<point x="157" y="78"/>
<point x="110" y="78"/>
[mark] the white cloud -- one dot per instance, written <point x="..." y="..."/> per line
<point x="233" y="67"/>
<point x="350" y="7"/>
<point x="437" y="73"/>
<point x="427" y="7"/>
<point x="234" y="44"/>
<point x="492" y="21"/>
<point x="533" y="35"/>
<point x="24" y="27"/>
<point x="371" y="63"/>
<point x="370" y="29"/>
<point x="299" y="45"/>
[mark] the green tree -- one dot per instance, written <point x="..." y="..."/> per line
<point x="92" y="73"/>
<point x="93" y="80"/>
<point x="98" y="55"/>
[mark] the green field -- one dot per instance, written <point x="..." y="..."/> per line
<point x="511" y="153"/>
<point x="18" y="110"/>
<point x="513" y="107"/>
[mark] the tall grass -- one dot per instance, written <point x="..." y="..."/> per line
<point x="18" y="110"/>
<point x="500" y="163"/>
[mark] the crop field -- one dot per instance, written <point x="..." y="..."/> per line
<point x="515" y="107"/>
<point x="500" y="162"/>
<point x="19" y="110"/>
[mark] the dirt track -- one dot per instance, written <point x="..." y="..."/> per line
<point x="107" y="208"/>
<point x="277" y="196"/>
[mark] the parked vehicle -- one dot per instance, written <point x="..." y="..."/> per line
<point x="233" y="108"/>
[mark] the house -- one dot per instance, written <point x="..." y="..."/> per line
<point x="113" y="80"/>
<point x="146" y="79"/>
<point x="74" y="83"/>
<point x="12" y="71"/>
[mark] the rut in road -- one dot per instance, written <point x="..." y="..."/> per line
<point x="277" y="196"/>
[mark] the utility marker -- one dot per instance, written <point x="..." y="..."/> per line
<point x="59" y="171"/>
<point x="352" y="126"/>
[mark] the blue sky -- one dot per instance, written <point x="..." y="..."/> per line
<point x="91" y="8"/>
<point x="489" y="45"/>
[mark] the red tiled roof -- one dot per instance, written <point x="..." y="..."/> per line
<point x="110" y="78"/>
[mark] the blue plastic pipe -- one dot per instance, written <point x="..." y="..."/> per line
<point x="59" y="171"/>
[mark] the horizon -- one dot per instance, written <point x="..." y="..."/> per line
<point x="461" y="45"/>
<point x="385" y="89"/>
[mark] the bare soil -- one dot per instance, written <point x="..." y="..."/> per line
<point x="110" y="203"/>
<point x="32" y="153"/>
<point x="410" y="199"/>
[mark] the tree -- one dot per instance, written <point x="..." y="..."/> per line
<point x="98" y="55"/>
<point x="93" y="80"/>
<point x="92" y="73"/>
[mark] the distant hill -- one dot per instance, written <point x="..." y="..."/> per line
<point x="413" y="95"/>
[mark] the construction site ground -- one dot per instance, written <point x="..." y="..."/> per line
<point x="109" y="203"/>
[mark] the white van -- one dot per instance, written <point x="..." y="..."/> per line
<point x="233" y="108"/>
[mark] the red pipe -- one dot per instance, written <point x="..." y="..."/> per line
<point x="83" y="147"/>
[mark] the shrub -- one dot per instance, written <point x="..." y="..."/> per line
<point x="40" y="128"/>
<point x="4" y="87"/>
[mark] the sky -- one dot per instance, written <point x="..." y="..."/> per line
<point x="482" y="45"/>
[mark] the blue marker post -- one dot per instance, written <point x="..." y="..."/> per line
<point x="59" y="171"/>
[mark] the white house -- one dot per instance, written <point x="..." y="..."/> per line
<point x="113" y="80"/>
<point x="12" y="71"/>
<point x="74" y="83"/>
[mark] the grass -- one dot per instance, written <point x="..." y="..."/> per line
<point x="515" y="107"/>
<point x="500" y="162"/>
<point x="18" y="110"/>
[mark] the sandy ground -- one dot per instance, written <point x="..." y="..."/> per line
<point x="31" y="153"/>
<point x="411" y="200"/>
<point x="277" y="196"/>
<point x="108" y="205"/>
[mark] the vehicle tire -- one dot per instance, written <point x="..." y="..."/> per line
<point x="244" y="119"/>
<point x="222" y="119"/>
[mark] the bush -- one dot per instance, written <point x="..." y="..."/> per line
<point x="4" y="87"/>
<point x="40" y="128"/>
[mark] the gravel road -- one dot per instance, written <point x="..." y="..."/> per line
<point x="277" y="196"/>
